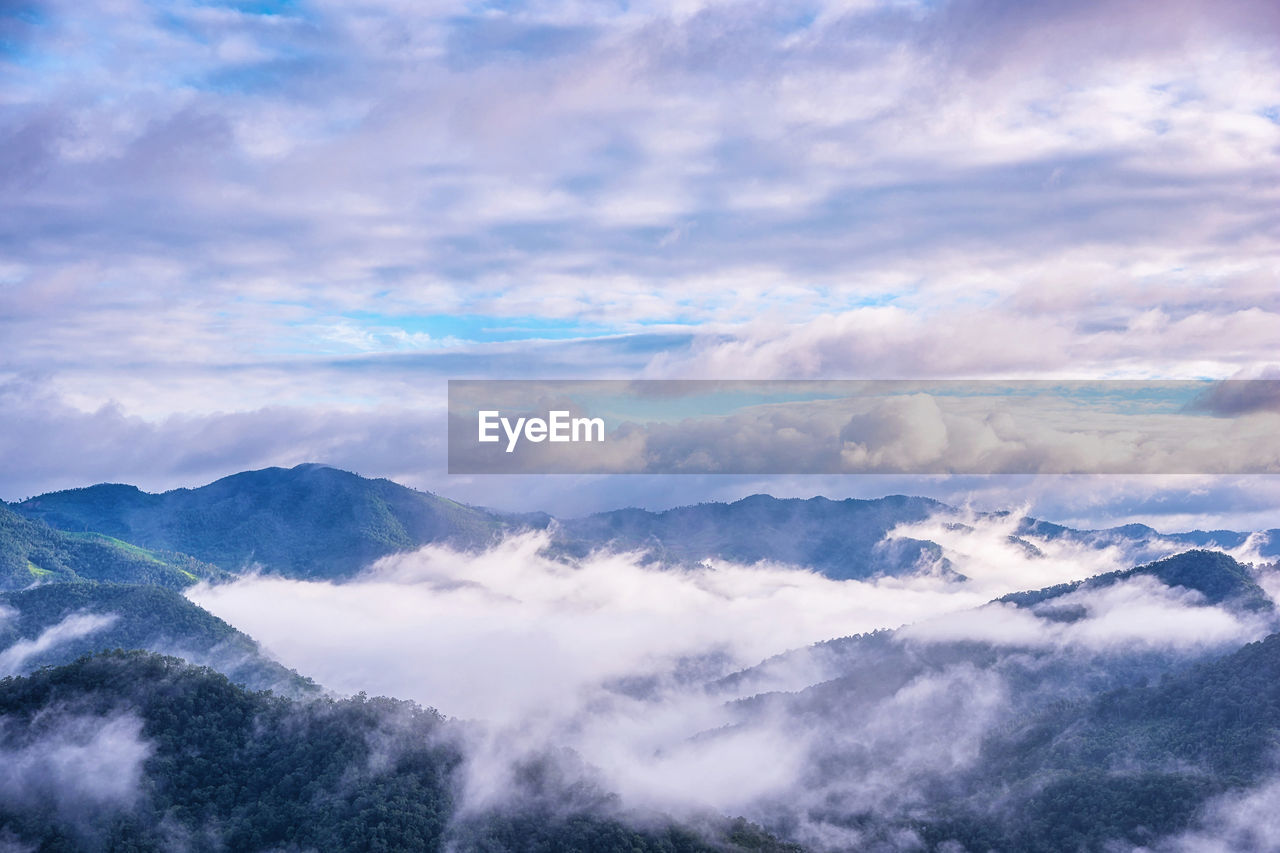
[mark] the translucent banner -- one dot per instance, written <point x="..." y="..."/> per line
<point x="863" y="427"/>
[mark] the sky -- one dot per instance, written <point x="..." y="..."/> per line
<point x="243" y="234"/>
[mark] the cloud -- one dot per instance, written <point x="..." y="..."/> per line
<point x="75" y="769"/>
<point x="72" y="627"/>
<point x="205" y="185"/>
<point x="328" y="207"/>
<point x="854" y="427"/>
<point x="877" y="761"/>
<point x="994" y="553"/>
<point x="1138" y="614"/>
<point x="113" y="446"/>
<point x="503" y="611"/>
<point x="1027" y="341"/>
<point x="1240" y="820"/>
<point x="1240" y="396"/>
<point x="604" y="655"/>
<point x="407" y="444"/>
<point x="610" y="657"/>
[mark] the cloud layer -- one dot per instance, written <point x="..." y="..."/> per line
<point x="221" y="217"/>
<point x="73" y="769"/>
<point x="613" y="657"/>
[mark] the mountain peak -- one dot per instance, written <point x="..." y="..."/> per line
<point x="1215" y="575"/>
<point x="312" y="520"/>
<point x="841" y="539"/>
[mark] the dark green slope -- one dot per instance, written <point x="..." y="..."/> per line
<point x="235" y="770"/>
<point x="308" y="521"/>
<point x="143" y="617"/>
<point x="33" y="552"/>
<point x="841" y="539"/>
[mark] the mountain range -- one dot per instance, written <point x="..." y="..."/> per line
<point x="308" y="521"/>
<point x="313" y="521"/>
<point x="1047" y="719"/>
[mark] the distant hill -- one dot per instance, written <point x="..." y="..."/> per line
<point x="883" y="661"/>
<point x="1140" y="532"/>
<point x="55" y="623"/>
<point x="311" y="521"/>
<point x="33" y="552"/>
<point x="841" y="539"/>
<point x="844" y="539"/>
<point x="1216" y="576"/>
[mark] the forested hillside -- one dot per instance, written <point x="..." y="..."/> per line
<point x="164" y="756"/>
<point x="56" y="623"/>
<point x="1129" y="766"/>
<point x="308" y="521"/>
<point x="33" y="552"/>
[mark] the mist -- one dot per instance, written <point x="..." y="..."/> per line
<point x="513" y="632"/>
<point x="77" y="625"/>
<point x="1242" y="820"/>
<point x="621" y="660"/>
<point x="1140" y="613"/>
<point x="75" y="768"/>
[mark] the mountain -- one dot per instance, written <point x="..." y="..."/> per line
<point x="1130" y="534"/>
<point x="1216" y="576"/>
<point x="986" y="731"/>
<point x="311" y="521"/>
<point x="1128" y="766"/>
<point x="845" y="539"/>
<point x="883" y="661"/>
<point x="1107" y="712"/>
<point x="841" y="539"/>
<point x="56" y="623"/>
<point x="33" y="552"/>
<point x="134" y="751"/>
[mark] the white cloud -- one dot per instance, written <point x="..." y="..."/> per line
<point x="1240" y="820"/>
<point x="72" y="627"/>
<point x="488" y="624"/>
<point x="208" y="202"/>
<point x="230" y="167"/>
<point x="78" y="767"/>
<point x="1138" y="614"/>
<point x="609" y="656"/>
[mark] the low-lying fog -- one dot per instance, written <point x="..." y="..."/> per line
<point x="609" y="656"/>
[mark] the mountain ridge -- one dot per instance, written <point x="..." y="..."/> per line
<point x="32" y="551"/>
<point x="52" y="624"/>
<point x="318" y="522"/>
<point x="310" y="521"/>
<point x="1219" y="578"/>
